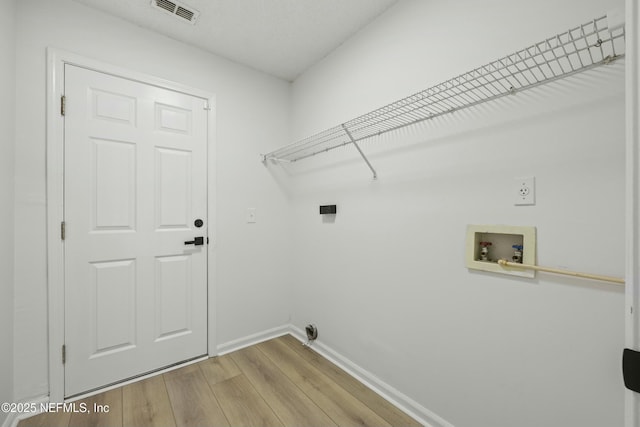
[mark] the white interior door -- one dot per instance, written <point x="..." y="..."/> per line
<point x="135" y="186"/>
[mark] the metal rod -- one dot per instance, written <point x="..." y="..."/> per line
<point x="375" y="175"/>
<point x="617" y="280"/>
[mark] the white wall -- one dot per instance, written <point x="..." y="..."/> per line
<point x="252" y="117"/>
<point x="386" y="282"/>
<point x="7" y="136"/>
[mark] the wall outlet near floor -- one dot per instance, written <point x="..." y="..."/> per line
<point x="524" y="191"/>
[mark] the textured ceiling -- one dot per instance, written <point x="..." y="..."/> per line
<point x="279" y="37"/>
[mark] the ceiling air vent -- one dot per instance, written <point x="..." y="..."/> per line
<point x="176" y="9"/>
<point x="184" y="13"/>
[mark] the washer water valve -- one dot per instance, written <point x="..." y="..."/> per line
<point x="484" y="251"/>
<point x="517" y="254"/>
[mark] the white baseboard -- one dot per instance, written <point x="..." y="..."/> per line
<point x="14" y="418"/>
<point x="400" y="400"/>
<point x="250" y="340"/>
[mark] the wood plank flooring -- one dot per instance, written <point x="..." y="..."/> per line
<point x="274" y="383"/>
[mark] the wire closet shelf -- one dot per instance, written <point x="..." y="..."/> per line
<point x="578" y="49"/>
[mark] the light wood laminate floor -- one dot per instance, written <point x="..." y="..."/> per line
<point x="274" y="383"/>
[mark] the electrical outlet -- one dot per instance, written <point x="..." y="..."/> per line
<point x="524" y="191"/>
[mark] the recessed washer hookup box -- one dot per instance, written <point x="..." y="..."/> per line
<point x="487" y="244"/>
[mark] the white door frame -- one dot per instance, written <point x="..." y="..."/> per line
<point x="56" y="60"/>
<point x="632" y="276"/>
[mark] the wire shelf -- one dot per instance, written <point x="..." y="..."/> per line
<point x="576" y="50"/>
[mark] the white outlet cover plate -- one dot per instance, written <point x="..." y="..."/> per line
<point x="524" y="191"/>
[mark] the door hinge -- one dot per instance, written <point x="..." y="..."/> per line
<point x="63" y="230"/>
<point x="206" y="106"/>
<point x="64" y="354"/>
<point x="63" y="105"/>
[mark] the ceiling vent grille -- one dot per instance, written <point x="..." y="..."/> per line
<point x="184" y="13"/>
<point x="176" y="9"/>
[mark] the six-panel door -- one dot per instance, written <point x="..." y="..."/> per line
<point x="135" y="183"/>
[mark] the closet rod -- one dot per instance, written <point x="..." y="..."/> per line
<point x="616" y="280"/>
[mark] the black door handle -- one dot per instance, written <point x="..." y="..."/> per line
<point x="198" y="241"/>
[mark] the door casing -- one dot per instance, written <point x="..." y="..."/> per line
<point x="56" y="59"/>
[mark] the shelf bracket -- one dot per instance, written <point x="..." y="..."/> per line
<point x="353" y="141"/>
